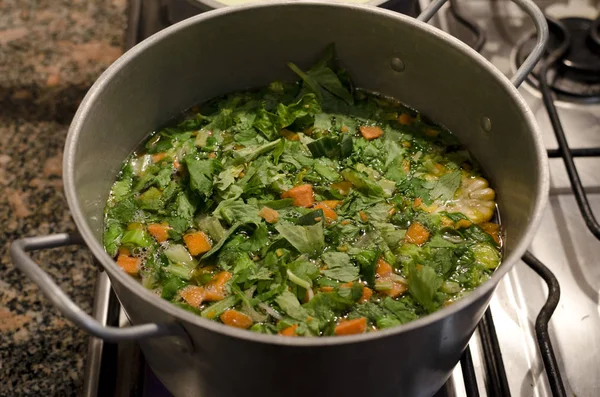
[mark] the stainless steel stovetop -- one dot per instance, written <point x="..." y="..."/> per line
<point x="563" y="244"/>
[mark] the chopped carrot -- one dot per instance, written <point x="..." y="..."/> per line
<point x="289" y="331"/>
<point x="160" y="231"/>
<point x="417" y="233"/>
<point x="418" y="202"/>
<point x="405" y="119"/>
<point x="332" y="203"/>
<point x="397" y="290"/>
<point x="342" y="187"/>
<point x="326" y="289"/>
<point x="431" y="132"/>
<point x="302" y="195"/>
<point x="212" y="155"/>
<point x="236" y="319"/>
<point x="345" y="222"/>
<point x="215" y="288"/>
<point x="392" y="211"/>
<point x="384" y="269"/>
<point x="363" y="216"/>
<point x="289" y="135"/>
<point x="269" y="215"/>
<point x="129" y="264"/>
<point x="330" y="214"/>
<point x="370" y="132"/>
<point x="346" y="285"/>
<point x="463" y="224"/>
<point x="344" y="129"/>
<point x="366" y="294"/>
<point x="406" y="166"/>
<point x="193" y="295"/>
<point x="197" y="243"/>
<point x="351" y="327"/>
<point x="176" y="164"/>
<point x="493" y="229"/>
<point x="158" y="157"/>
<point x="124" y="251"/>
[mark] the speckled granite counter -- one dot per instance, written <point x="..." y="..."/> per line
<point x="50" y="53"/>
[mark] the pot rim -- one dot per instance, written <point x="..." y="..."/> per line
<point x="216" y="5"/>
<point x="129" y="282"/>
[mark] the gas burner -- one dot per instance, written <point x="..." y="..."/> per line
<point x="576" y="76"/>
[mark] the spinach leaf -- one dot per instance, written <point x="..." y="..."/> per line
<point x="306" y="239"/>
<point x="201" y="173"/>
<point x="112" y="237"/>
<point x="290" y="305"/>
<point x="236" y="211"/>
<point x="215" y="248"/>
<point x="363" y="183"/>
<point x="446" y="186"/>
<point x="340" y="266"/>
<point x="248" y="154"/>
<point x="423" y="283"/>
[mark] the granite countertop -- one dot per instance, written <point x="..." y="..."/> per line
<point x="51" y="51"/>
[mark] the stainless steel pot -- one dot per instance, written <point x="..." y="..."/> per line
<point x="242" y="47"/>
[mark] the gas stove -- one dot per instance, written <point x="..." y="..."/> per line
<point x="541" y="334"/>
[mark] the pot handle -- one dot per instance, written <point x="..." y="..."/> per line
<point x="18" y="252"/>
<point x="541" y="27"/>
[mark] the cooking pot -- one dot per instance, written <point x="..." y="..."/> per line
<point x="177" y="8"/>
<point x="243" y="47"/>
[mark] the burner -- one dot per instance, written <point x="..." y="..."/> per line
<point x="576" y="76"/>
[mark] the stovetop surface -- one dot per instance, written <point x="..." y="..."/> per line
<point x="563" y="242"/>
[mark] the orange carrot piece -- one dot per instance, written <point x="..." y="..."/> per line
<point x="405" y="119"/>
<point x="124" y="251"/>
<point x="289" y="331"/>
<point x="406" y="166"/>
<point x="289" y="135"/>
<point x="176" y="164"/>
<point x="193" y="295"/>
<point x="351" y="327"/>
<point x="197" y="243"/>
<point x="397" y="290"/>
<point x="332" y="203"/>
<point x="417" y="203"/>
<point x="129" y="264"/>
<point x="326" y="289"/>
<point x="370" y="132"/>
<point x="384" y="269"/>
<point x="493" y="229"/>
<point x="160" y="231"/>
<point x="215" y="288"/>
<point x="342" y="187"/>
<point x="431" y="132"/>
<point x="330" y="214"/>
<point x="269" y="215"/>
<point x="363" y="216"/>
<point x="463" y="224"/>
<point x="417" y="233"/>
<point x="158" y="157"/>
<point x="212" y="155"/>
<point x="302" y="195"/>
<point x="236" y="319"/>
<point x="366" y="294"/>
